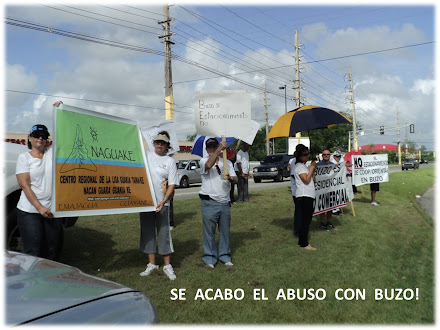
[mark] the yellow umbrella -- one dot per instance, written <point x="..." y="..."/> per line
<point x="306" y="118"/>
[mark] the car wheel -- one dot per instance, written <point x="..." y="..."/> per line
<point x="279" y="178"/>
<point x="256" y="180"/>
<point x="403" y="169"/>
<point x="184" y="183"/>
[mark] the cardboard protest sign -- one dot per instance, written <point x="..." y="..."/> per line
<point x="330" y="187"/>
<point x="223" y="113"/>
<point x="369" y="169"/>
<point x="99" y="165"/>
<point x="249" y="139"/>
<point x="150" y="131"/>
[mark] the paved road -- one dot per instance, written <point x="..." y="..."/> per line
<point x="193" y="190"/>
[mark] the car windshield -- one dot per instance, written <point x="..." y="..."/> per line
<point x="409" y="160"/>
<point x="272" y="159"/>
<point x="182" y="164"/>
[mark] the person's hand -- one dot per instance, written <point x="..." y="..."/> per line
<point x="45" y="212"/>
<point x="222" y="145"/>
<point x="57" y="103"/>
<point x="243" y="175"/>
<point x="160" y="206"/>
<point x="313" y="164"/>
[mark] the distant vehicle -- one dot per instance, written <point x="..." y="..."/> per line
<point x="188" y="172"/>
<point x="424" y="161"/>
<point x="40" y="291"/>
<point x="12" y="194"/>
<point x="273" y="167"/>
<point x="410" y="163"/>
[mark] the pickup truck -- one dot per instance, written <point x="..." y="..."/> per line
<point x="273" y="167"/>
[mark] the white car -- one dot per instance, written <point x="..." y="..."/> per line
<point x="188" y="172"/>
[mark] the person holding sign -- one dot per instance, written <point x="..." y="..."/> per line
<point x="215" y="203"/>
<point x="305" y="193"/>
<point x="164" y="179"/>
<point x="242" y="171"/>
<point x="40" y="232"/>
<point x="326" y="225"/>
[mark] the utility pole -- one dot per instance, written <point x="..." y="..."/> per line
<point x="399" y="148"/>
<point x="355" y="138"/>
<point x="297" y="81"/>
<point x="420" y="152"/>
<point x="406" y="139"/>
<point x="169" y="102"/>
<point x="267" y="121"/>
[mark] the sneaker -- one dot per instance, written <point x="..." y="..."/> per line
<point x="168" y="270"/>
<point x="330" y="226"/>
<point x="171" y="227"/>
<point x="323" y="227"/>
<point x="309" y="247"/>
<point x="210" y="265"/>
<point x="150" y="268"/>
<point x="229" y="264"/>
<point x="374" y="203"/>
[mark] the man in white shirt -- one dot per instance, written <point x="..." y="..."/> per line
<point x="215" y="203"/>
<point x="242" y="171"/>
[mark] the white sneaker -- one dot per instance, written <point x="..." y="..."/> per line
<point x="168" y="270"/>
<point x="374" y="203"/>
<point x="150" y="268"/>
<point x="229" y="264"/>
<point x="210" y="265"/>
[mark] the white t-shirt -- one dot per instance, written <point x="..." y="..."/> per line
<point x="243" y="158"/>
<point x="40" y="171"/>
<point x="303" y="190"/>
<point x="292" y="172"/>
<point x="213" y="183"/>
<point x="161" y="168"/>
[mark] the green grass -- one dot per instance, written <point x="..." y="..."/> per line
<point x="385" y="247"/>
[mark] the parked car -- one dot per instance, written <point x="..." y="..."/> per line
<point x="188" y="172"/>
<point x="424" y="161"/>
<point x="12" y="192"/>
<point x="410" y="163"/>
<point x="41" y="291"/>
<point x="273" y="167"/>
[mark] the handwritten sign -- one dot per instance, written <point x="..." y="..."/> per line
<point x="369" y="169"/>
<point x="223" y="113"/>
<point x="330" y="187"/>
<point x="99" y="165"/>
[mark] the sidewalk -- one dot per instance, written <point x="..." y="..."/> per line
<point x="427" y="201"/>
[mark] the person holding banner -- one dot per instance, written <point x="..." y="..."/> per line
<point x="40" y="232"/>
<point x="326" y="225"/>
<point x="164" y="179"/>
<point x="305" y="193"/>
<point x="215" y="203"/>
<point x="242" y="171"/>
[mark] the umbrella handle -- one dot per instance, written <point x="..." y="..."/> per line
<point x="225" y="160"/>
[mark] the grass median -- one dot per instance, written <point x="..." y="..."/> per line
<point x="387" y="249"/>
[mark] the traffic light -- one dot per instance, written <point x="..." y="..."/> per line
<point x="381" y="130"/>
<point x="411" y="128"/>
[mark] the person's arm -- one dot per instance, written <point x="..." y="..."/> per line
<point x="24" y="181"/>
<point x="306" y="177"/>
<point x="213" y="157"/>
<point x="232" y="178"/>
<point x="168" y="194"/>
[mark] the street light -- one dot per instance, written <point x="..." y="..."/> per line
<point x="285" y="111"/>
<point x="285" y="97"/>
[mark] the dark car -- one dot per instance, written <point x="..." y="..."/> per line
<point x="273" y="167"/>
<point x="424" y="161"/>
<point x="410" y="163"/>
<point x="40" y="291"/>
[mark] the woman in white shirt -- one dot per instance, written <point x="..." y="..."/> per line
<point x="39" y="231"/>
<point x="164" y="178"/>
<point x="305" y="193"/>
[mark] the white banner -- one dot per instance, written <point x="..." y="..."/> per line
<point x="150" y="131"/>
<point x="330" y="187"/>
<point x="369" y="169"/>
<point x="223" y="113"/>
<point x="254" y="130"/>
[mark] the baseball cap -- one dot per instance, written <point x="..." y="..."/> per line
<point x="38" y="128"/>
<point x="211" y="142"/>
<point x="161" y="137"/>
<point x="337" y="153"/>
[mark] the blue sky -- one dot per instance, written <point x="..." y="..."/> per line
<point x="389" y="48"/>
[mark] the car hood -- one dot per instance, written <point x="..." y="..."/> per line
<point x="37" y="287"/>
<point x="267" y="165"/>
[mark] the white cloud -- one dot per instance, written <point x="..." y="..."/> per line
<point x="19" y="80"/>
<point x="426" y="87"/>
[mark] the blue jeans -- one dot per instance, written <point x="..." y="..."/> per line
<point x="242" y="186"/>
<point x="213" y="214"/>
<point x="41" y="237"/>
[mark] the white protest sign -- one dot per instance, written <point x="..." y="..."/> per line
<point x="223" y="113"/>
<point x="369" y="169"/>
<point x="150" y="131"/>
<point x="249" y="139"/>
<point x="294" y="141"/>
<point x="330" y="187"/>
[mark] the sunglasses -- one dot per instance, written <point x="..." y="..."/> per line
<point x="219" y="171"/>
<point x="37" y="135"/>
<point x="326" y="154"/>
<point x="337" y="156"/>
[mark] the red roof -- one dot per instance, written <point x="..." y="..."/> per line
<point x="378" y="147"/>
